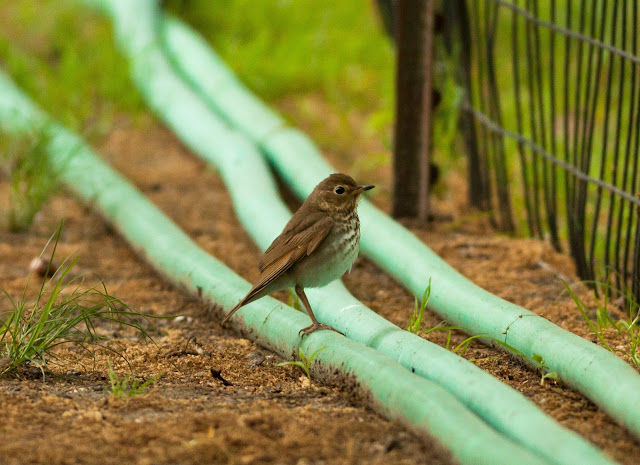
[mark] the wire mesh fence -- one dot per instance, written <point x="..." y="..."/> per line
<point x="552" y="125"/>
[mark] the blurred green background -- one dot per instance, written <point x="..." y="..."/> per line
<point x="305" y="59"/>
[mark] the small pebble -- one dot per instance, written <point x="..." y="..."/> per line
<point x="256" y="359"/>
<point x="393" y="443"/>
<point x="42" y="267"/>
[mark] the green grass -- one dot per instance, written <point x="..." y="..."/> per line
<point x="461" y="348"/>
<point x="415" y="324"/>
<point x="419" y="306"/>
<point x="127" y="386"/>
<point x="283" y="48"/>
<point x="64" y="56"/>
<point x="62" y="313"/>
<point x="31" y="181"/>
<point x="304" y="363"/>
<point x="328" y="68"/>
<point x="620" y="336"/>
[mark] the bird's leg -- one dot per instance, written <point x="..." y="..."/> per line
<point x="315" y="324"/>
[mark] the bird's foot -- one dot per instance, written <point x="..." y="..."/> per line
<point x="316" y="327"/>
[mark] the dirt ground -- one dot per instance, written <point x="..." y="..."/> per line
<point x="263" y="413"/>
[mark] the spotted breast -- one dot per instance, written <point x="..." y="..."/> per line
<point x="334" y="256"/>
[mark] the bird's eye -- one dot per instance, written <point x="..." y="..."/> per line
<point x="339" y="190"/>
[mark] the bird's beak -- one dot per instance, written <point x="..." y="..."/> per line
<point x="361" y="189"/>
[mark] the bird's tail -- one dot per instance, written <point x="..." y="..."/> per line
<point x="250" y="297"/>
<point x="259" y="290"/>
<point x="235" y="309"/>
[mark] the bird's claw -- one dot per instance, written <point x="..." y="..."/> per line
<point x="317" y="327"/>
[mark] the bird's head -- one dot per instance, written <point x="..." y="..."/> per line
<point x="338" y="193"/>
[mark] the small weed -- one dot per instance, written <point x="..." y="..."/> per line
<point x="29" y="332"/>
<point x="304" y="363"/>
<point x="31" y="180"/>
<point x="415" y="320"/>
<point x="544" y="370"/>
<point x="628" y="329"/>
<point x="461" y="348"/>
<point x="127" y="387"/>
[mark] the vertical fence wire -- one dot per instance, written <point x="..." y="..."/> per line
<point x="617" y="139"/>
<point x="553" y="214"/>
<point x="634" y="173"/>
<point x="485" y="154"/>
<point x="568" y="179"/>
<point x="530" y="196"/>
<point x="478" y="189"/>
<point x="554" y="87"/>
<point x="499" y="159"/>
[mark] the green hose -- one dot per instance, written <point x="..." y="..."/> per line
<point x="579" y="363"/>
<point x="423" y="405"/>
<point x="264" y="215"/>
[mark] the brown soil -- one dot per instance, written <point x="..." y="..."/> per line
<point x="268" y="414"/>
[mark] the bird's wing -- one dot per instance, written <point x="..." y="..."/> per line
<point x="297" y="241"/>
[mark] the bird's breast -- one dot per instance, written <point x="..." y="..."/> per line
<point x="333" y="257"/>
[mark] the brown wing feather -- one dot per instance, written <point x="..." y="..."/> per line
<point x="306" y="231"/>
<point x="299" y="239"/>
<point x="280" y="257"/>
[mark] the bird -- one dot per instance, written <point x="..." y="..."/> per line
<point x="317" y="246"/>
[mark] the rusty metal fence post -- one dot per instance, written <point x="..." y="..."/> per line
<point x="411" y="169"/>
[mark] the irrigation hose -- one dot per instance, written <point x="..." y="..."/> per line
<point x="263" y="216"/>
<point x="422" y="404"/>
<point x="579" y="363"/>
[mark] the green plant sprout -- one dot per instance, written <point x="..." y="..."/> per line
<point x="29" y="332"/>
<point x="628" y="329"/>
<point x="304" y="363"/>
<point x="415" y="320"/>
<point x="544" y="369"/>
<point x="461" y="348"/>
<point x="126" y="386"/>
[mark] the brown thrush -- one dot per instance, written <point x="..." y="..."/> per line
<point x="317" y="246"/>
